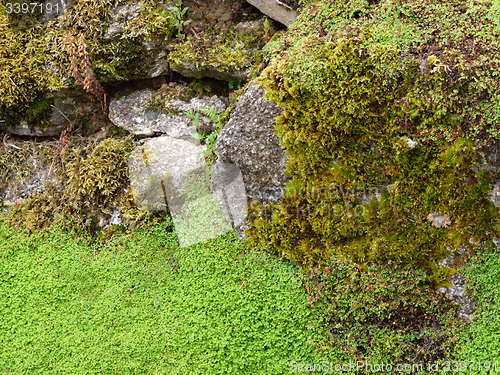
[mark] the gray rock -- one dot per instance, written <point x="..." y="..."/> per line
<point x="276" y="10"/>
<point x="190" y="70"/>
<point x="12" y="190"/>
<point x="121" y="26"/>
<point x="456" y="292"/>
<point x="72" y="105"/>
<point x="159" y="157"/>
<point x="133" y="114"/>
<point x="229" y="189"/>
<point x="120" y="16"/>
<point x="23" y="128"/>
<point x="248" y="140"/>
<point x="202" y="67"/>
<point x="167" y="171"/>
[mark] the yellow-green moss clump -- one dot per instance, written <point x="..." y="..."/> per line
<point x="87" y="181"/>
<point x="404" y="98"/>
<point x="231" y="51"/>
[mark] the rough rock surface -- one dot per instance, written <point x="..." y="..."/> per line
<point x="188" y="69"/>
<point x="229" y="189"/>
<point x="248" y="140"/>
<point x="203" y="65"/>
<point x="74" y="104"/>
<point x="276" y="10"/>
<point x="456" y="293"/>
<point x="120" y="17"/>
<point x="12" y="192"/>
<point x="132" y="114"/>
<point x="149" y="163"/>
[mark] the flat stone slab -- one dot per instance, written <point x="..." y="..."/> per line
<point x="133" y="114"/>
<point x="277" y="10"/>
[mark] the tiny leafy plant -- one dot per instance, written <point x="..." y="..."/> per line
<point x="178" y="14"/>
<point x="208" y="139"/>
<point x="266" y="28"/>
<point x="231" y="84"/>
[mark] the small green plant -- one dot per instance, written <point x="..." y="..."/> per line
<point x="482" y="285"/>
<point x="178" y="14"/>
<point x="266" y="28"/>
<point x="238" y="85"/>
<point x="208" y="139"/>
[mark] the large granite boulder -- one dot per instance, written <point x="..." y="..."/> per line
<point x="248" y="140"/>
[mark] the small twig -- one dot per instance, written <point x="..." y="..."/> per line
<point x="283" y="4"/>
<point x="194" y="32"/>
<point x="22" y="93"/>
<point x="9" y="144"/>
<point x="10" y="294"/>
<point x="53" y="106"/>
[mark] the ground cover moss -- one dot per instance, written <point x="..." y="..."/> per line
<point x="481" y="340"/>
<point x="138" y="303"/>
<point x="369" y="106"/>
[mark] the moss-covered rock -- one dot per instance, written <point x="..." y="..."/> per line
<point x="234" y="55"/>
<point x="87" y="181"/>
<point x="357" y="81"/>
<point x="34" y="60"/>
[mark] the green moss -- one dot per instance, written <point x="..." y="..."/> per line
<point x="24" y="76"/>
<point x="222" y="57"/>
<point x="230" y="51"/>
<point x="67" y="291"/>
<point x="351" y="100"/>
<point x="33" y="60"/>
<point x="481" y="337"/>
<point x="87" y="180"/>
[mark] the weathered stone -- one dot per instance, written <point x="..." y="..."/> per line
<point x="12" y="191"/>
<point x="72" y="105"/>
<point x="120" y="16"/>
<point x="167" y="171"/>
<point x="248" y="140"/>
<point x="276" y="10"/>
<point x="229" y="189"/>
<point x="456" y="292"/>
<point x="133" y="114"/>
<point x="199" y="58"/>
<point x="188" y="69"/>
